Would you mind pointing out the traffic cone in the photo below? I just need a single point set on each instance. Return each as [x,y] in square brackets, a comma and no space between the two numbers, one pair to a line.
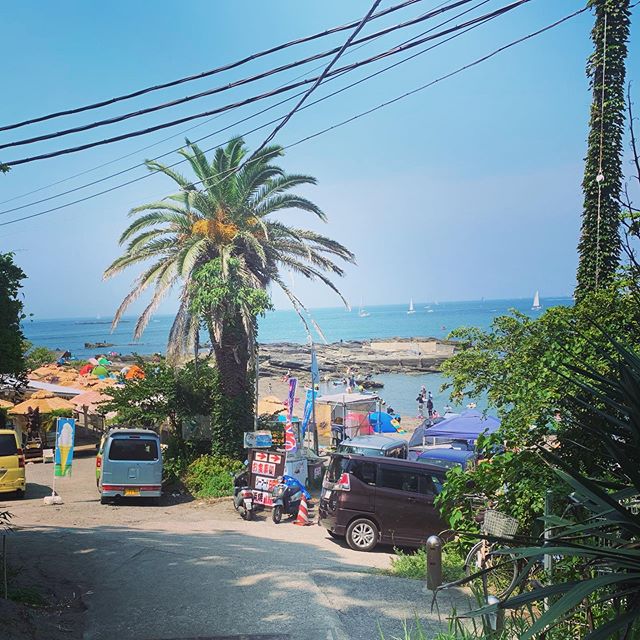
[303,515]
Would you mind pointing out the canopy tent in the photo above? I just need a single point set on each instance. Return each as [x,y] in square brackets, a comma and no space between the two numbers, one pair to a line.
[466,426]
[349,411]
[418,436]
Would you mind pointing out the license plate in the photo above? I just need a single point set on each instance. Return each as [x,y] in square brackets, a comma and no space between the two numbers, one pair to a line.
[247,504]
[132,492]
[327,494]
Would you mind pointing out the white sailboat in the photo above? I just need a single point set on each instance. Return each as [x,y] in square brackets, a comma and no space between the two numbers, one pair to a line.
[536,302]
[362,312]
[411,309]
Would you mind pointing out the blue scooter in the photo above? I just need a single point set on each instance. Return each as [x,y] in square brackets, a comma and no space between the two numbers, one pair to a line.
[286,501]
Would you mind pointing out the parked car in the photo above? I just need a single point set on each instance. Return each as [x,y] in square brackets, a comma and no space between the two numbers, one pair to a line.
[377,499]
[447,458]
[12,466]
[129,464]
[374,446]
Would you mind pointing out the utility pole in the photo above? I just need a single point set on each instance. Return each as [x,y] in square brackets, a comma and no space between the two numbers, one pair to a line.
[599,246]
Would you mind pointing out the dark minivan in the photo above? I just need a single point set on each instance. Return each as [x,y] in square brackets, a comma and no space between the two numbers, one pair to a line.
[371,500]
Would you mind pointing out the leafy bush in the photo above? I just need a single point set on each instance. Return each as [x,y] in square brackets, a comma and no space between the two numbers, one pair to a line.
[211,476]
[413,565]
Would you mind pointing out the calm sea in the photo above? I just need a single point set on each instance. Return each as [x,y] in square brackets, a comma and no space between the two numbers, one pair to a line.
[430,319]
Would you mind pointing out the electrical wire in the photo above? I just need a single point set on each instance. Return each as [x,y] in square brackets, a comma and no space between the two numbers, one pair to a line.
[231,85]
[390,52]
[204,74]
[289,99]
[363,113]
[317,83]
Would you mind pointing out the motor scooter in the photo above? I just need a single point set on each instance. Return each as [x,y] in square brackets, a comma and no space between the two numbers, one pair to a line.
[286,501]
[242,495]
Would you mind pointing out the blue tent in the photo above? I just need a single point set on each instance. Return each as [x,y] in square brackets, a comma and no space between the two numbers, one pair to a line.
[422,431]
[381,422]
[467,426]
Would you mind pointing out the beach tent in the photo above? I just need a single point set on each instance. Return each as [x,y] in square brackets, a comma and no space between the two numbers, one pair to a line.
[466,426]
[86,370]
[103,361]
[100,371]
[381,422]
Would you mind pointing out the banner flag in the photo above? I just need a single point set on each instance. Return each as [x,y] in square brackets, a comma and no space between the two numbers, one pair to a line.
[65,435]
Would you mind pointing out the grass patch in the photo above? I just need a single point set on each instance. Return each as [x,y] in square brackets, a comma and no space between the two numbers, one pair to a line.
[413,564]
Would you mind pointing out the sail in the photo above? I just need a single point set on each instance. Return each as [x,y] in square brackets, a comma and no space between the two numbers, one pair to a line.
[411,309]
[536,301]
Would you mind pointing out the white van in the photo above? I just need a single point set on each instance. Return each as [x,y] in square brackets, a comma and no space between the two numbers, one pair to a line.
[130,465]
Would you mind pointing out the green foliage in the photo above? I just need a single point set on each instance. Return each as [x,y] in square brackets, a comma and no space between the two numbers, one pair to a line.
[48,420]
[414,564]
[599,246]
[35,357]
[4,168]
[11,315]
[212,476]
[517,363]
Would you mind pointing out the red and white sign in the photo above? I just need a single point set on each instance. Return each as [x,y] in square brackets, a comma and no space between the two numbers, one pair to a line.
[263,468]
[260,456]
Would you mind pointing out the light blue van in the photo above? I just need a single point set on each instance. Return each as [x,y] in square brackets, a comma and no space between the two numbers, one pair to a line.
[130,465]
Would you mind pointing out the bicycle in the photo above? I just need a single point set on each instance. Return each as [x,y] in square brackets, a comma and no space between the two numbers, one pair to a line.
[499,571]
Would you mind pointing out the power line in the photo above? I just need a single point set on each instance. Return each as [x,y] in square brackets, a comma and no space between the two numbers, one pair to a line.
[205,74]
[376,73]
[390,52]
[368,111]
[228,86]
[318,81]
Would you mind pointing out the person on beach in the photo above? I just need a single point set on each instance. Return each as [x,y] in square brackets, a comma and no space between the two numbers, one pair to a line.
[420,401]
[430,405]
[423,391]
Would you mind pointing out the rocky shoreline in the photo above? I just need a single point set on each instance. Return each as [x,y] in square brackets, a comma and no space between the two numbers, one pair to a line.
[370,357]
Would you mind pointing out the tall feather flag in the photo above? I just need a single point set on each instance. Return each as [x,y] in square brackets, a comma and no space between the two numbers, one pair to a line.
[290,443]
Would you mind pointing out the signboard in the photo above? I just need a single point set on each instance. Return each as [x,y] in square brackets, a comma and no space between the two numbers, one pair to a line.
[264,469]
[65,435]
[258,440]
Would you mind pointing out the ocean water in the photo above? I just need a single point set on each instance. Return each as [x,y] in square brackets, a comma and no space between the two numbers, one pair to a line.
[430,319]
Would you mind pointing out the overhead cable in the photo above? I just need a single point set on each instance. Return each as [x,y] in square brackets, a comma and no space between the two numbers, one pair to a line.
[268,94]
[230,85]
[258,113]
[205,74]
[368,111]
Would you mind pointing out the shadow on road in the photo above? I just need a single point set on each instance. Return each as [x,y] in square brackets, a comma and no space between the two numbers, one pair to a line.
[157,585]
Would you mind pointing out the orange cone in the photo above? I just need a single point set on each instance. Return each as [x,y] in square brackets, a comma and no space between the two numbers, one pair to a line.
[303,514]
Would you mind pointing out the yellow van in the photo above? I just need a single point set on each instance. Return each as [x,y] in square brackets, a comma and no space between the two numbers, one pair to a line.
[12,476]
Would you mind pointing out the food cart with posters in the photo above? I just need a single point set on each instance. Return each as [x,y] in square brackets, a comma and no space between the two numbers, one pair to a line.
[265,466]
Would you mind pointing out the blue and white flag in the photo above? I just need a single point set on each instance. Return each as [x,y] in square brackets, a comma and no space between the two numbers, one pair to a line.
[308,410]
[315,372]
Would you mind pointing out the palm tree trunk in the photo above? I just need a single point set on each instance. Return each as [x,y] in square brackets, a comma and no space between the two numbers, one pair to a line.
[232,413]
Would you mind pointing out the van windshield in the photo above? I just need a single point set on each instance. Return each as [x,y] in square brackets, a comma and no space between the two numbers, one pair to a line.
[361,451]
[143,450]
[8,446]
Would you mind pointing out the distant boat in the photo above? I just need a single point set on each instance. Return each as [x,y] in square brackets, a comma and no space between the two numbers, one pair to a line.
[411,309]
[536,302]
[362,312]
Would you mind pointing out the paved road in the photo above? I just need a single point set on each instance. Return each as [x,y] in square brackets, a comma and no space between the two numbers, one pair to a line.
[193,569]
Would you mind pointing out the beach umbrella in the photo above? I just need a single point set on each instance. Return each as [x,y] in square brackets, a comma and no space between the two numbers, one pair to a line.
[93,361]
[134,373]
[5,404]
[103,361]
[100,371]
[44,401]
[90,399]
[86,369]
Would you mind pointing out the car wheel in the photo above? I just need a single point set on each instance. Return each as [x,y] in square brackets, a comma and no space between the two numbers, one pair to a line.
[276,514]
[362,535]
[104,500]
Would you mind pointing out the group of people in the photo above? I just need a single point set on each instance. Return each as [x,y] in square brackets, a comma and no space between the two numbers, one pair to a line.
[425,397]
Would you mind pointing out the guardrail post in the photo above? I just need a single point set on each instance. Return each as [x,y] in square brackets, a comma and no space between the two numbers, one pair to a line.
[434,562]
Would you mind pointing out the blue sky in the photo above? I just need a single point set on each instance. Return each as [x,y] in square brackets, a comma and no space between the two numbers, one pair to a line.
[469,189]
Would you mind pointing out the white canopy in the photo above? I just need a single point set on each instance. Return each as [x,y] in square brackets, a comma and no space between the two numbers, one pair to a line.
[348,398]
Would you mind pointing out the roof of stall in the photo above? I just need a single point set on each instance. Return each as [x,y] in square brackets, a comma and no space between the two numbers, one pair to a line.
[348,398]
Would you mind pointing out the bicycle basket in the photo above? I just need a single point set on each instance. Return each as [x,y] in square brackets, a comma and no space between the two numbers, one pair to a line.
[499,524]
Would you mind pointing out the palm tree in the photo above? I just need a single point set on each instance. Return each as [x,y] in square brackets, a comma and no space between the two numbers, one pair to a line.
[224,219]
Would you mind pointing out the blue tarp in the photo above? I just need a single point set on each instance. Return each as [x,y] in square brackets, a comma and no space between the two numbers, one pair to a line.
[467,426]
[422,431]
[381,422]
